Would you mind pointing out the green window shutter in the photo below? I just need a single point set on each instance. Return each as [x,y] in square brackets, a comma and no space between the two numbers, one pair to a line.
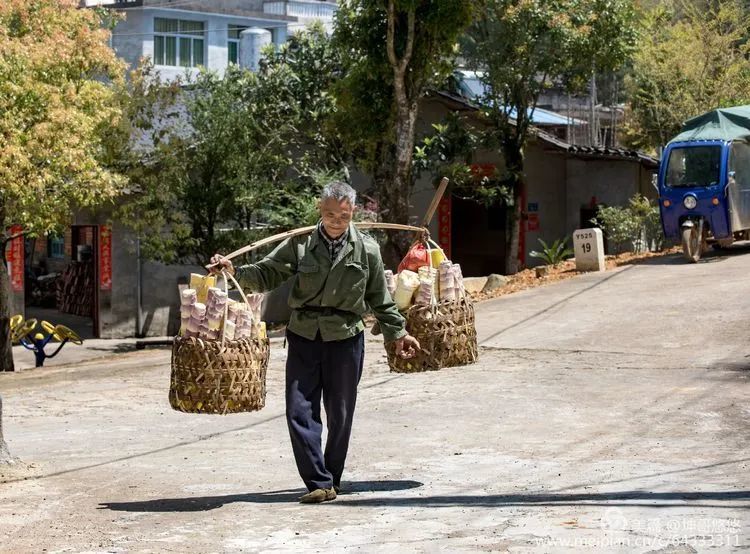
[232,51]
[170,57]
[198,52]
[159,50]
[185,58]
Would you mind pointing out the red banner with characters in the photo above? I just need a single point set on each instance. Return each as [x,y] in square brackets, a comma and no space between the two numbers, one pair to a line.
[14,255]
[105,257]
[444,225]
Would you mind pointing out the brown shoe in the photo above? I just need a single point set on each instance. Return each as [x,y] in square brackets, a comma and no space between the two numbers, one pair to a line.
[317,496]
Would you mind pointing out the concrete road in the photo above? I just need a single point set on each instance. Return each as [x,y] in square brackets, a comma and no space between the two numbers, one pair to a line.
[607,413]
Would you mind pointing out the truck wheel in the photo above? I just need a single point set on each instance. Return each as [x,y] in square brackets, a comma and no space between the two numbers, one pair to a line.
[691,244]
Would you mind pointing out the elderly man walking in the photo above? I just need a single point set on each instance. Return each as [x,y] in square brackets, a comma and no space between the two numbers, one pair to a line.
[338,275]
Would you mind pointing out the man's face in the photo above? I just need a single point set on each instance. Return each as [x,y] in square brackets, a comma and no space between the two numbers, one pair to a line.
[336,215]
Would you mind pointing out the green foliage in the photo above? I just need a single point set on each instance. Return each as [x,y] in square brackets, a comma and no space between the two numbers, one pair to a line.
[555,254]
[365,94]
[237,157]
[636,227]
[690,59]
[55,110]
[522,47]
[311,67]
[393,52]
[449,151]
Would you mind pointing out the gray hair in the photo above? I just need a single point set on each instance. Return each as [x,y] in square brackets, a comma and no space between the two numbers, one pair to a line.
[339,191]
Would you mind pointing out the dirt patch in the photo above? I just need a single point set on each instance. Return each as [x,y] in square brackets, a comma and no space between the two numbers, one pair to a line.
[527,278]
[16,470]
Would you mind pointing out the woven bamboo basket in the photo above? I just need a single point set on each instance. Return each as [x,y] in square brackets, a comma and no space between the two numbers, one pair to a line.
[447,333]
[219,376]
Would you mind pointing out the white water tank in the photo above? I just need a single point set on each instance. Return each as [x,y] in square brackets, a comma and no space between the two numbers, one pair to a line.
[252,42]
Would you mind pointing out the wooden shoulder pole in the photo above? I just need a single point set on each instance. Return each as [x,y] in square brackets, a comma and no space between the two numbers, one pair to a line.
[435,201]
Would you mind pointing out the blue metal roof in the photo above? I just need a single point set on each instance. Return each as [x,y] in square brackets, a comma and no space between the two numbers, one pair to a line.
[471,86]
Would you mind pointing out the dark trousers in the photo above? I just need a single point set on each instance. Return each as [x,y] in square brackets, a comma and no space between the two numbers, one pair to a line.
[330,370]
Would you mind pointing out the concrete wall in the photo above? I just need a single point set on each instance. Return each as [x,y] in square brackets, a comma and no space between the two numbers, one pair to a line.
[547,190]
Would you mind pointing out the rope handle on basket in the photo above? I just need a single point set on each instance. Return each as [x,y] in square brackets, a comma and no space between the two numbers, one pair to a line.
[427,241]
[226,274]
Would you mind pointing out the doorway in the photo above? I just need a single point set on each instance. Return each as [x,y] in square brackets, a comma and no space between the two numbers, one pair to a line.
[61,280]
[478,237]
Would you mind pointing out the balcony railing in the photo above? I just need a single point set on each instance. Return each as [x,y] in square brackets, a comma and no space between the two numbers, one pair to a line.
[112,3]
[305,9]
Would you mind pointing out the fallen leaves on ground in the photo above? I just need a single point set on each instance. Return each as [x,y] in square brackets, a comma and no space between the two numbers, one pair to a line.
[527,278]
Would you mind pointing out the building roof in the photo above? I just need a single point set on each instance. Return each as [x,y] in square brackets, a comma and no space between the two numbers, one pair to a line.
[470,86]
[599,152]
[586,152]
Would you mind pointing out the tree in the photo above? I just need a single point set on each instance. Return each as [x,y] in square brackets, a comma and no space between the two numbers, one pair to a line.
[393,52]
[233,152]
[522,47]
[55,107]
[690,59]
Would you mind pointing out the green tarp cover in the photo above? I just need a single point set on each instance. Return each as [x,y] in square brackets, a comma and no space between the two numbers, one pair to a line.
[721,124]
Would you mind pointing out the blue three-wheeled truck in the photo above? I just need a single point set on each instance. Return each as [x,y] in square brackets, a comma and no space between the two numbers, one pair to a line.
[704,182]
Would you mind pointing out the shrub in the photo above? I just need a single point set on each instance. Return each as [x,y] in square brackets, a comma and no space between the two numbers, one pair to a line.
[636,227]
[553,255]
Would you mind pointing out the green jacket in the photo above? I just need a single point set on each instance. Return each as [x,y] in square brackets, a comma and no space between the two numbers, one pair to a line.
[326,297]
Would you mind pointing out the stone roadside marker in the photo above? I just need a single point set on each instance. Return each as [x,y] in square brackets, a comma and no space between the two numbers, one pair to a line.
[588,246]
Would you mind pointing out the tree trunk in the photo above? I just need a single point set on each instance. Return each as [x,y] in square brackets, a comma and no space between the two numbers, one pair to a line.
[5,457]
[397,188]
[515,220]
[6,350]
[513,154]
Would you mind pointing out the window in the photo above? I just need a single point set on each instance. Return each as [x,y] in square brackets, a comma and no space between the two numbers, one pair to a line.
[178,42]
[233,43]
[55,246]
[694,166]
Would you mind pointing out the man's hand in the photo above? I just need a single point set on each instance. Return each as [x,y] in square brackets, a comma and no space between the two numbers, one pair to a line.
[407,347]
[219,263]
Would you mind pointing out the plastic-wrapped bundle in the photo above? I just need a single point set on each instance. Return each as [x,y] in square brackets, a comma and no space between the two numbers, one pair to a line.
[447,282]
[437,256]
[215,304]
[407,283]
[233,310]
[197,316]
[390,282]
[188,298]
[424,292]
[229,328]
[244,325]
[458,277]
[207,333]
[431,274]
[254,304]
[201,284]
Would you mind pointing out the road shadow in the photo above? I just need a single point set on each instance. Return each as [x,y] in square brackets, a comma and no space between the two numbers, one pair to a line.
[624,498]
[708,257]
[119,348]
[207,503]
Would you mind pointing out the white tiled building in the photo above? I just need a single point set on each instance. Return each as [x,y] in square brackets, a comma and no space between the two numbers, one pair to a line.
[180,35]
